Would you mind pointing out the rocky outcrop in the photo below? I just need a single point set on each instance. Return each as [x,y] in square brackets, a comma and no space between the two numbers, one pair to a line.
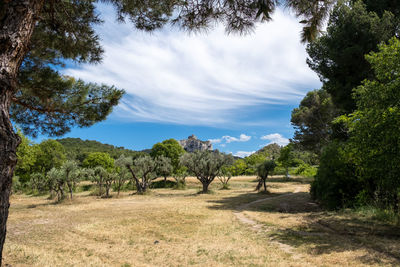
[193,144]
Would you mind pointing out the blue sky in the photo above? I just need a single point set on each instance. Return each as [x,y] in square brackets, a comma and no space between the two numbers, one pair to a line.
[237,91]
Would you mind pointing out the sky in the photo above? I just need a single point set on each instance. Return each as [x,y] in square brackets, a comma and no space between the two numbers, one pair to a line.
[236,91]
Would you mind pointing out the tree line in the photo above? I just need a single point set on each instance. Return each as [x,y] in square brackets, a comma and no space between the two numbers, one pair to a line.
[47,167]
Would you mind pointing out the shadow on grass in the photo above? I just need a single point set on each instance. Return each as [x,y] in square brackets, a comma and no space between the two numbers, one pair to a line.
[321,232]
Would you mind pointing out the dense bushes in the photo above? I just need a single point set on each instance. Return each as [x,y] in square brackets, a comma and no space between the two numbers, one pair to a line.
[335,184]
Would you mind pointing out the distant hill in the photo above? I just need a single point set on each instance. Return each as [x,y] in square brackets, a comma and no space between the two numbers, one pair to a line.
[273,150]
[78,149]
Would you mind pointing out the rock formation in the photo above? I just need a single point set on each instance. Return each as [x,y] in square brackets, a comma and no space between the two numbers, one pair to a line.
[193,144]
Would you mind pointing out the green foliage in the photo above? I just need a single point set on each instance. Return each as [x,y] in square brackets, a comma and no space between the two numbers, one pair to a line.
[50,154]
[144,172]
[122,174]
[98,175]
[272,151]
[96,159]
[375,127]
[305,170]
[336,184]
[180,177]
[48,102]
[338,56]
[287,158]
[164,166]
[312,120]
[56,182]
[72,175]
[253,161]
[168,148]
[77,149]
[27,156]
[205,165]
[162,184]
[224,176]
[16,184]
[38,182]
[239,167]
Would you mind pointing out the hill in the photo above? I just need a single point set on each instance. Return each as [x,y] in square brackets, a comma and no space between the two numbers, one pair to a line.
[78,149]
[272,150]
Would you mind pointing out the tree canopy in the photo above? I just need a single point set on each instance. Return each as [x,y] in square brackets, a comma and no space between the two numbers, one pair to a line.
[168,148]
[312,120]
[338,55]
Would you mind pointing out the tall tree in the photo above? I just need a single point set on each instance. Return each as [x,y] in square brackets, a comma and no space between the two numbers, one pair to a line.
[312,120]
[338,55]
[38,36]
[286,158]
[168,148]
[50,154]
[96,159]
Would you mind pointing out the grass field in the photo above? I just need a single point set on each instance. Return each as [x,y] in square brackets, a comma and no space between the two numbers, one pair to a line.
[180,227]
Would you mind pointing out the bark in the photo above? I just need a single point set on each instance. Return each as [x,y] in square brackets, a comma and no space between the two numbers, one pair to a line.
[17,21]
[205,187]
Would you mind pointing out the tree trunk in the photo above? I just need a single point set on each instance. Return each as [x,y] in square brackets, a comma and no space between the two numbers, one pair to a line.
[70,192]
[17,21]
[205,187]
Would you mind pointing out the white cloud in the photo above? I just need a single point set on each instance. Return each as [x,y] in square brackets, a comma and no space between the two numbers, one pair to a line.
[275,138]
[215,141]
[243,154]
[230,139]
[171,76]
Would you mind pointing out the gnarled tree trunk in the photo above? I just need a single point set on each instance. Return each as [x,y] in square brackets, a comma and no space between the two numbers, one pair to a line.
[17,21]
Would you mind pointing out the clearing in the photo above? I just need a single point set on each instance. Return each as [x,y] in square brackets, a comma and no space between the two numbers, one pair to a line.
[180,227]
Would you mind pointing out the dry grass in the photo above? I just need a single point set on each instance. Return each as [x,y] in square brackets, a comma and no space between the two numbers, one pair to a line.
[180,228]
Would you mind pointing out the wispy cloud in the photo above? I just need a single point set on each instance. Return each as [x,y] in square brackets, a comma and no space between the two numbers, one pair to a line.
[243,154]
[275,138]
[171,76]
[230,139]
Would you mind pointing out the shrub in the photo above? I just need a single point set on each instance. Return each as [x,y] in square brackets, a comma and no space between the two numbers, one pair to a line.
[335,184]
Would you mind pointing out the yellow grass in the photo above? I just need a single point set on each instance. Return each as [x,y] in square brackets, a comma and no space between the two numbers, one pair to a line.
[180,228]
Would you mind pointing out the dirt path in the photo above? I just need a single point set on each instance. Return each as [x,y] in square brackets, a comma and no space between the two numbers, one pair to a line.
[255,226]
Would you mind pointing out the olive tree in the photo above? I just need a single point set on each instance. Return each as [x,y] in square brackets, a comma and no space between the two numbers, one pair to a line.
[56,182]
[205,165]
[143,171]
[263,170]
[224,176]
[164,167]
[98,176]
[180,177]
[108,180]
[38,182]
[122,174]
[72,175]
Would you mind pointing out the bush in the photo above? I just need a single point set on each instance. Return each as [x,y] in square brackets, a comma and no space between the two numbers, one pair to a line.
[335,184]
[16,185]
[161,184]
[305,170]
